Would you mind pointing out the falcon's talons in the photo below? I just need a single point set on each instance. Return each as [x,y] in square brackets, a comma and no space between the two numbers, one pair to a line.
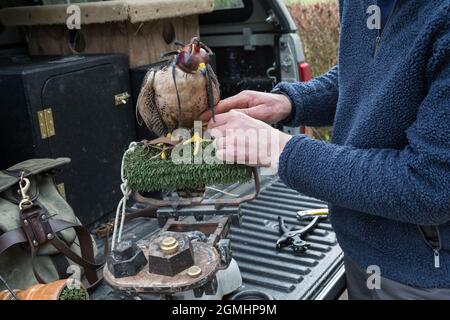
[197,141]
[163,143]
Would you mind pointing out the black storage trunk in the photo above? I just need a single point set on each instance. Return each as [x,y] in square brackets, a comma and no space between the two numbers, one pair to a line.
[66,107]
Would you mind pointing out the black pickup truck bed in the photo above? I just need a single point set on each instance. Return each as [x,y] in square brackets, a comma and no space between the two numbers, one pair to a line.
[317,273]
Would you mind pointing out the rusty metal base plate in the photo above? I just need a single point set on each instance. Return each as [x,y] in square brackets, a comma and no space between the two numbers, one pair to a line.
[205,257]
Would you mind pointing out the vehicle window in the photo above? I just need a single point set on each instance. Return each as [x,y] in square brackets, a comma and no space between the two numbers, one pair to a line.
[228,4]
[228,11]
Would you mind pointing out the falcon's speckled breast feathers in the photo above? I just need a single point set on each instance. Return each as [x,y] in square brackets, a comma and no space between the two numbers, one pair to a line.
[178,93]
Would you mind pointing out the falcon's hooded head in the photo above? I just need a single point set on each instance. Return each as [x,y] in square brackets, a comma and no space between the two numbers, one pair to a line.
[193,57]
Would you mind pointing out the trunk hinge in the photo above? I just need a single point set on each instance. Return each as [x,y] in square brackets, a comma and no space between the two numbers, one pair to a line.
[121,98]
[46,124]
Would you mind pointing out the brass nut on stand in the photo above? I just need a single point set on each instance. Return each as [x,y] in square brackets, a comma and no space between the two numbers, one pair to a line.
[169,245]
[170,253]
[194,271]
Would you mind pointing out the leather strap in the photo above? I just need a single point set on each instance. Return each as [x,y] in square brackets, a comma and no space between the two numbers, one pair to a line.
[86,260]
[33,265]
[209,92]
[61,264]
[10,238]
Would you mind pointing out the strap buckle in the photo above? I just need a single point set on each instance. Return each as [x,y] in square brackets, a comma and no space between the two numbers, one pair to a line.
[24,186]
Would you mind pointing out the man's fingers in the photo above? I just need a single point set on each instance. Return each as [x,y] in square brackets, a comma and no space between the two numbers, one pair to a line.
[230,155]
[220,154]
[259,112]
[219,143]
[226,155]
[216,133]
[244,111]
[254,112]
[222,119]
[239,101]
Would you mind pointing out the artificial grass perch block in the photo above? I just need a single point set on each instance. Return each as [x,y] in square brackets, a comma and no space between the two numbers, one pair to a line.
[147,172]
[73,294]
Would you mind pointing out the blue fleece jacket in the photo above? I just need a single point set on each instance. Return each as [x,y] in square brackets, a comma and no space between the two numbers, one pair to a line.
[386,7]
[387,169]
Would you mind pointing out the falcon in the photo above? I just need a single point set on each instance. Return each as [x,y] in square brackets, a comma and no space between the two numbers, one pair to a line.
[175,95]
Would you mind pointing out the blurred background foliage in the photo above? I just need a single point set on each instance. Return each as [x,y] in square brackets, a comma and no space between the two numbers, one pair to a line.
[318,24]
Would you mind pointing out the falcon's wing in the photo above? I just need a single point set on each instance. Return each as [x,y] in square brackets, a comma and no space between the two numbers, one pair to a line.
[146,109]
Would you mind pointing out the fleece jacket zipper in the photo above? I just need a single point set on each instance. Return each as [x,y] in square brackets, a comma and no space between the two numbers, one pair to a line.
[381,32]
[434,241]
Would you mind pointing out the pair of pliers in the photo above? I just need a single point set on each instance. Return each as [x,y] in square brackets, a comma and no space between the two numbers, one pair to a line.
[293,238]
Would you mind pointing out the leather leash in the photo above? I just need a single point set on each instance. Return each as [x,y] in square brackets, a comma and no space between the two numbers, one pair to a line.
[38,229]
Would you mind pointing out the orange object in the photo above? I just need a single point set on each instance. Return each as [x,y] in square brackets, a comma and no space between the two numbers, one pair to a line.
[50,291]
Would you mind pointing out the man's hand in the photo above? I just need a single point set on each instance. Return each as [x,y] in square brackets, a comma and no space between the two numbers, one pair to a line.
[267,107]
[242,139]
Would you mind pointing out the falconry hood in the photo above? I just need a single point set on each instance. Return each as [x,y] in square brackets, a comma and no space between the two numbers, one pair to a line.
[193,57]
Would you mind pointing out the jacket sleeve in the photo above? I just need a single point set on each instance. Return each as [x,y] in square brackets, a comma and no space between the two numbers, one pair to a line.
[314,102]
[410,185]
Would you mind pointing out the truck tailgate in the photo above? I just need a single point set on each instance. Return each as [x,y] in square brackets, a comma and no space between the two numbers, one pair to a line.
[317,273]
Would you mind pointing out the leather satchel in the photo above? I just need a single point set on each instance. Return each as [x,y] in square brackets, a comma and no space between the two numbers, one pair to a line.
[41,239]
